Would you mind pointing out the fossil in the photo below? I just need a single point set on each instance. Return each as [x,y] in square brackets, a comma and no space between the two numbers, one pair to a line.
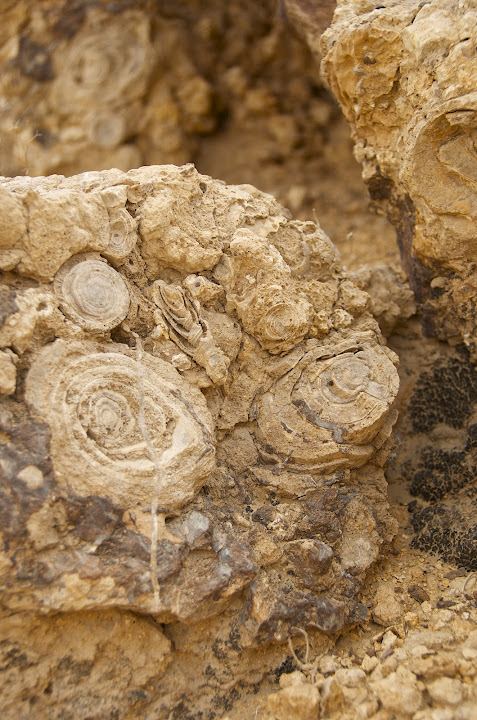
[214,364]
[326,413]
[190,330]
[93,295]
[92,400]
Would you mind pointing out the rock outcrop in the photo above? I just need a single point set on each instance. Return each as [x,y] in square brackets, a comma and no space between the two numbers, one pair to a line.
[197,405]
[404,74]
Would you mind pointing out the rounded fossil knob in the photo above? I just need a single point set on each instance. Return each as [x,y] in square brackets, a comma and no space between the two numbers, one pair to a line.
[329,412]
[122,428]
[93,295]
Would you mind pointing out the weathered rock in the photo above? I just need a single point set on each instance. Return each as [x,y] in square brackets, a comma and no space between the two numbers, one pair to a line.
[399,693]
[404,74]
[209,321]
[300,701]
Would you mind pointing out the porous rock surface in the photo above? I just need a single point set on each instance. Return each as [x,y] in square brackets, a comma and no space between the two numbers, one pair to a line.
[404,74]
[196,409]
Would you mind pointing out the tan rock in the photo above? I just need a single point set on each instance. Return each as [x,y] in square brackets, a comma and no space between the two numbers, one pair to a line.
[300,701]
[398,692]
[446,690]
[406,83]
[387,610]
[332,697]
[8,373]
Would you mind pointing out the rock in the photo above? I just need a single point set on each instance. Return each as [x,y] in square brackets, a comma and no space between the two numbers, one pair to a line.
[8,373]
[398,692]
[442,714]
[183,398]
[392,301]
[446,690]
[328,665]
[418,593]
[294,678]
[300,701]
[332,697]
[369,663]
[416,154]
[387,610]
[350,677]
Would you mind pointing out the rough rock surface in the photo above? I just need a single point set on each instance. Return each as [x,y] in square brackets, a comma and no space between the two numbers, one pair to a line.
[202,409]
[215,77]
[422,667]
[404,74]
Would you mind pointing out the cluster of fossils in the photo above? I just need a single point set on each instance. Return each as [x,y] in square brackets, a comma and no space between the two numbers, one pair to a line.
[197,400]
[196,397]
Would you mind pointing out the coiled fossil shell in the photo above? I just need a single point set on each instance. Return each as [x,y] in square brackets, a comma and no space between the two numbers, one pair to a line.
[327,412]
[92,397]
[279,327]
[181,313]
[92,294]
[123,237]
[109,60]
[189,330]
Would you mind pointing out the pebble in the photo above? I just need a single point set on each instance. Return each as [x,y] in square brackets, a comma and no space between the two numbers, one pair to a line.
[442,714]
[332,698]
[350,678]
[293,678]
[445,690]
[389,640]
[387,610]
[471,641]
[300,701]
[328,665]
[369,663]
[399,693]
[418,593]
[367,709]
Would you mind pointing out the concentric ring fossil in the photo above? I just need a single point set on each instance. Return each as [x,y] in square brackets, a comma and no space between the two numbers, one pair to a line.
[123,237]
[282,325]
[91,397]
[93,295]
[327,411]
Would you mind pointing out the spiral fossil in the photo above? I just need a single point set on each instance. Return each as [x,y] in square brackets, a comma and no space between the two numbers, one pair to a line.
[327,412]
[189,330]
[123,234]
[91,398]
[282,326]
[93,295]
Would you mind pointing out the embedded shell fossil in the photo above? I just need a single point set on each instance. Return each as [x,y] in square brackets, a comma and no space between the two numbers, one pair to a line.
[189,329]
[93,396]
[326,412]
[92,294]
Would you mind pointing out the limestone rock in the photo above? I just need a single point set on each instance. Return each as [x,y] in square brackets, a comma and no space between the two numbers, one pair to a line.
[203,405]
[399,693]
[300,701]
[404,74]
